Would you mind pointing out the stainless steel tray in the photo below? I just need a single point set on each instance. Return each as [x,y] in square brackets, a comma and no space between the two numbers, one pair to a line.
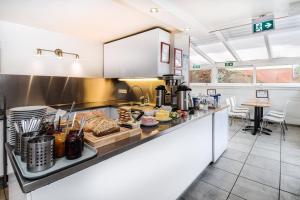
[60,164]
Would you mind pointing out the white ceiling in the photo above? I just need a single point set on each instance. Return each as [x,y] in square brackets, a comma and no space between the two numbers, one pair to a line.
[104,20]
[100,20]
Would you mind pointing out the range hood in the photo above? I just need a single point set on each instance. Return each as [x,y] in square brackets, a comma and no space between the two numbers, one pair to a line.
[137,56]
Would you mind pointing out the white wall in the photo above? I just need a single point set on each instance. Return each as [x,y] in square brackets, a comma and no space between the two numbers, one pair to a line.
[182,41]
[18,46]
[278,97]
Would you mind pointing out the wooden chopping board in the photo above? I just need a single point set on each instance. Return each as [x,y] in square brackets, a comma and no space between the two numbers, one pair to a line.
[108,139]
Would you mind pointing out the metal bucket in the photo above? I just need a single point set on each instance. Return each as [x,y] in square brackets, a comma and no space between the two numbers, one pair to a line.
[40,153]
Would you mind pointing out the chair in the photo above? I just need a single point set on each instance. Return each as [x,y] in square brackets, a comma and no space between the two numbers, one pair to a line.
[279,114]
[276,117]
[235,104]
[233,114]
[241,109]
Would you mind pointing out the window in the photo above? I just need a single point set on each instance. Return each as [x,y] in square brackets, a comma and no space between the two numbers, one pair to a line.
[278,74]
[235,75]
[200,76]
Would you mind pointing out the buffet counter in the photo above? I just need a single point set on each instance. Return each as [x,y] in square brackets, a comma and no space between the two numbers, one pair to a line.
[189,137]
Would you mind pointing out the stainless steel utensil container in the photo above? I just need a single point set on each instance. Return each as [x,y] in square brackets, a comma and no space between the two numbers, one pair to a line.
[18,143]
[24,141]
[40,153]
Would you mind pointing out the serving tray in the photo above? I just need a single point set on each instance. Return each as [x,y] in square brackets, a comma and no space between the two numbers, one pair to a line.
[60,164]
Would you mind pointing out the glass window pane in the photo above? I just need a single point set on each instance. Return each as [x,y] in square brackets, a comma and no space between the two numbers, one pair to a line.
[235,75]
[278,74]
[217,52]
[200,76]
[285,44]
[252,48]
[197,59]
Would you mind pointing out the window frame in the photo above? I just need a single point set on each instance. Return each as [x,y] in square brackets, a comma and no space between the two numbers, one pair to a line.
[214,80]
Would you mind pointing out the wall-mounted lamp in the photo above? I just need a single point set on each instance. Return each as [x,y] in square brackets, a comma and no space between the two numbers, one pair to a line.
[58,52]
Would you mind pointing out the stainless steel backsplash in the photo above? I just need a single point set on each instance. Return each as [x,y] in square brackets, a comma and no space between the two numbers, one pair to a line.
[23,90]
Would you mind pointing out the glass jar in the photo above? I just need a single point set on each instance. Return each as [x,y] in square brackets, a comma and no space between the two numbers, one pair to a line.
[73,145]
[60,138]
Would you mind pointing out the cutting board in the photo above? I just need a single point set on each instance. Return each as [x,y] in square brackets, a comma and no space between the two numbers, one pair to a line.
[112,138]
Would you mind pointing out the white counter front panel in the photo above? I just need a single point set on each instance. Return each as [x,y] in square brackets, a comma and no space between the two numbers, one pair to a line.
[160,169]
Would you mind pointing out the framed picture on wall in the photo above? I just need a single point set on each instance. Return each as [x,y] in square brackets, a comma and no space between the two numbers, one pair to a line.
[164,52]
[211,92]
[262,94]
[178,58]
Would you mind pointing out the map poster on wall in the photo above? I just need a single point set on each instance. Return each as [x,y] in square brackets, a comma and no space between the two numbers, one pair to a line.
[164,52]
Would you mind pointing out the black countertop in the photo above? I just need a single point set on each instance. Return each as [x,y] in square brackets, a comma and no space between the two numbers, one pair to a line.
[107,151]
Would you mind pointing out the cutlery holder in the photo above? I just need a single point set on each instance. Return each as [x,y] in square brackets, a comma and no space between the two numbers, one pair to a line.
[40,153]
[24,141]
[18,143]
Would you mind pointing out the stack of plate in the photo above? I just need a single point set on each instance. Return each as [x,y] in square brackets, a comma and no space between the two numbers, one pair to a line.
[23,113]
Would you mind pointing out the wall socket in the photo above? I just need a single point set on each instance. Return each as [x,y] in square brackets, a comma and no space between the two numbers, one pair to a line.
[122,91]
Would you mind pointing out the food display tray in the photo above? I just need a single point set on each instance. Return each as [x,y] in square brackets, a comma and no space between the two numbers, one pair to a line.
[60,164]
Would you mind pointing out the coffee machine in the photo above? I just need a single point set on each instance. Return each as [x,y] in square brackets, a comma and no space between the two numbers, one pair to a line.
[172,82]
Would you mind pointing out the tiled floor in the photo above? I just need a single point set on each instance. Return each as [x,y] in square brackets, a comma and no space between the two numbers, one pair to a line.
[3,194]
[253,167]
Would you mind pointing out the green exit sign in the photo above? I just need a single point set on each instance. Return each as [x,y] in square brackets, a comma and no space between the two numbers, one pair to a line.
[264,23]
[263,26]
[228,64]
[196,66]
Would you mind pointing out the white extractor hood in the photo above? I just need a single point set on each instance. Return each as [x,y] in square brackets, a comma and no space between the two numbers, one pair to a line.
[136,56]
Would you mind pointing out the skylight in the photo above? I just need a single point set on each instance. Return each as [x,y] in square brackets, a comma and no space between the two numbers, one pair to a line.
[285,44]
[217,52]
[195,58]
[251,48]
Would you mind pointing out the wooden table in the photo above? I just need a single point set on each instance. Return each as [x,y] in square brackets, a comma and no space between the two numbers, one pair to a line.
[258,105]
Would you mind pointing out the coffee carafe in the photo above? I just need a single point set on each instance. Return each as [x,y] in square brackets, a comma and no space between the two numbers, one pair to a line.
[160,95]
[184,99]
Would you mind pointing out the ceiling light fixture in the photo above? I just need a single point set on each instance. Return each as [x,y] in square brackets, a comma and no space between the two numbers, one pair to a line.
[154,10]
[58,52]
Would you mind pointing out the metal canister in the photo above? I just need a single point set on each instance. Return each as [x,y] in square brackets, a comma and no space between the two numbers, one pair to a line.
[183,97]
[40,153]
[24,141]
[160,95]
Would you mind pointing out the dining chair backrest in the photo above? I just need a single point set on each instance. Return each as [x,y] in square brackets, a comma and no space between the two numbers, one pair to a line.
[232,102]
[229,104]
[285,108]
